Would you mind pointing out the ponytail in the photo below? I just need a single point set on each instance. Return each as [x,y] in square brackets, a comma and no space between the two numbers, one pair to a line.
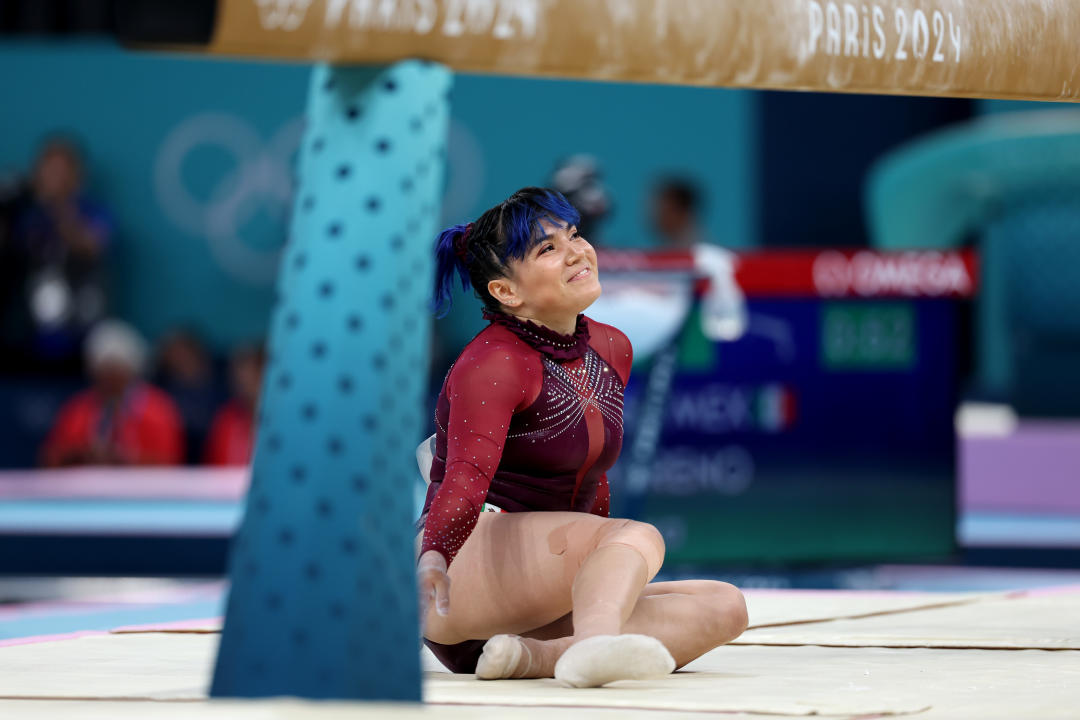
[450,256]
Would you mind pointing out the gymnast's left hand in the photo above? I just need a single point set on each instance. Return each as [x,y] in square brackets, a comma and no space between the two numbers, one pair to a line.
[433,583]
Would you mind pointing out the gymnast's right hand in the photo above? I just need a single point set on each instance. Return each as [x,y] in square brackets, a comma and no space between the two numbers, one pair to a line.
[433,583]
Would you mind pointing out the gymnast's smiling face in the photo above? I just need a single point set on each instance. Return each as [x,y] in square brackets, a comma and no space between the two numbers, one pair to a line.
[556,280]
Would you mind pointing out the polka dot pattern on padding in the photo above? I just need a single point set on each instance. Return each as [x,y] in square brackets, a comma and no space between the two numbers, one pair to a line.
[323,597]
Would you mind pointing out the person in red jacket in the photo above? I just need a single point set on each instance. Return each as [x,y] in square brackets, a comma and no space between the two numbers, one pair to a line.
[232,432]
[529,420]
[120,419]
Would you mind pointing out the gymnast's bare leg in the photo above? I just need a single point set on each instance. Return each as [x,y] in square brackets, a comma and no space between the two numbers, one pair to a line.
[553,579]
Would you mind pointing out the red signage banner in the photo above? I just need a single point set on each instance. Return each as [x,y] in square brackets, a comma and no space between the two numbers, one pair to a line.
[826,272]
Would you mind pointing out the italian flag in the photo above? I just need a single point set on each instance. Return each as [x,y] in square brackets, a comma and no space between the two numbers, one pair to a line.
[774,408]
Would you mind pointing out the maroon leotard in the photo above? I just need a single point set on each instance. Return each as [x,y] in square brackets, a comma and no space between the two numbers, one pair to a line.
[527,419]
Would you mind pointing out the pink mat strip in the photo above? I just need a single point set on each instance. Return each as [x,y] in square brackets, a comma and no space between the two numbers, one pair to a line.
[50,638]
[223,484]
[835,593]
[1059,590]
[115,601]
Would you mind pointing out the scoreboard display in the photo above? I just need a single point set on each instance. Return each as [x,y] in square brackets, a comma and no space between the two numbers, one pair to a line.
[824,433]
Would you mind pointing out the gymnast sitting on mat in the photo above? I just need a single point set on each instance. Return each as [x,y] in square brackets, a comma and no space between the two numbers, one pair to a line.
[529,420]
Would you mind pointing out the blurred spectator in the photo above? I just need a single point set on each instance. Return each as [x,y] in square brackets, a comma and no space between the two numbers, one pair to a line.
[120,420]
[232,434]
[185,371]
[579,179]
[676,207]
[676,217]
[58,242]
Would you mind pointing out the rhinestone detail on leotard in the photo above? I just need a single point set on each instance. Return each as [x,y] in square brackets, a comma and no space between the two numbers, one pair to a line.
[571,392]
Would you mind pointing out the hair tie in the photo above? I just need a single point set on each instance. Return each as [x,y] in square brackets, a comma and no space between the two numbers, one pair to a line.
[461,245]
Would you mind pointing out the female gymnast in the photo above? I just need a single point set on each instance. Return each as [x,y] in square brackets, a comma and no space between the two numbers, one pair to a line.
[529,420]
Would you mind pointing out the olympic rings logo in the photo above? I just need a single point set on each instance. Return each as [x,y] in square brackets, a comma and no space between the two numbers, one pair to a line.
[282,14]
[260,180]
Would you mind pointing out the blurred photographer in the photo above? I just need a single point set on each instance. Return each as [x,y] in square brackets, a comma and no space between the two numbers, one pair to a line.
[57,241]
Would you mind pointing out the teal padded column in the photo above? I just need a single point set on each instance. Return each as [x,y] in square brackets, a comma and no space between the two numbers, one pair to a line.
[323,594]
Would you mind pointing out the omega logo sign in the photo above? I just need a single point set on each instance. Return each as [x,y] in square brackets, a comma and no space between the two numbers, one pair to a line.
[931,274]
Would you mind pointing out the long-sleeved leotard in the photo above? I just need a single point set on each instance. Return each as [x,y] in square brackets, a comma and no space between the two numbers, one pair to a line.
[527,419]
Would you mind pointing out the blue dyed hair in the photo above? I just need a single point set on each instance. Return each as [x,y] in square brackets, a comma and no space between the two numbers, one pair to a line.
[507,231]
